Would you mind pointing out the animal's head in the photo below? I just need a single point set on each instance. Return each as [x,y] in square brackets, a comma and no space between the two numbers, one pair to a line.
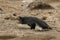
[21,20]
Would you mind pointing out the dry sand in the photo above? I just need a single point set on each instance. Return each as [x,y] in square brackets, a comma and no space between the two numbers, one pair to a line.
[10,29]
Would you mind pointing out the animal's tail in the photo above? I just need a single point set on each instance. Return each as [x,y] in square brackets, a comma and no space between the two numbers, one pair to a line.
[42,24]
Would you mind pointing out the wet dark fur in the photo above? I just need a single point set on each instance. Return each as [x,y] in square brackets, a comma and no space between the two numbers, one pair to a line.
[32,21]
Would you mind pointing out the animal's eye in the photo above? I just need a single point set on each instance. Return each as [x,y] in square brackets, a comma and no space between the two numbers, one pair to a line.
[14,14]
[20,17]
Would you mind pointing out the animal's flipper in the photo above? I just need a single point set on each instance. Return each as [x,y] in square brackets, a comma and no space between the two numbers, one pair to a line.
[42,24]
[32,25]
